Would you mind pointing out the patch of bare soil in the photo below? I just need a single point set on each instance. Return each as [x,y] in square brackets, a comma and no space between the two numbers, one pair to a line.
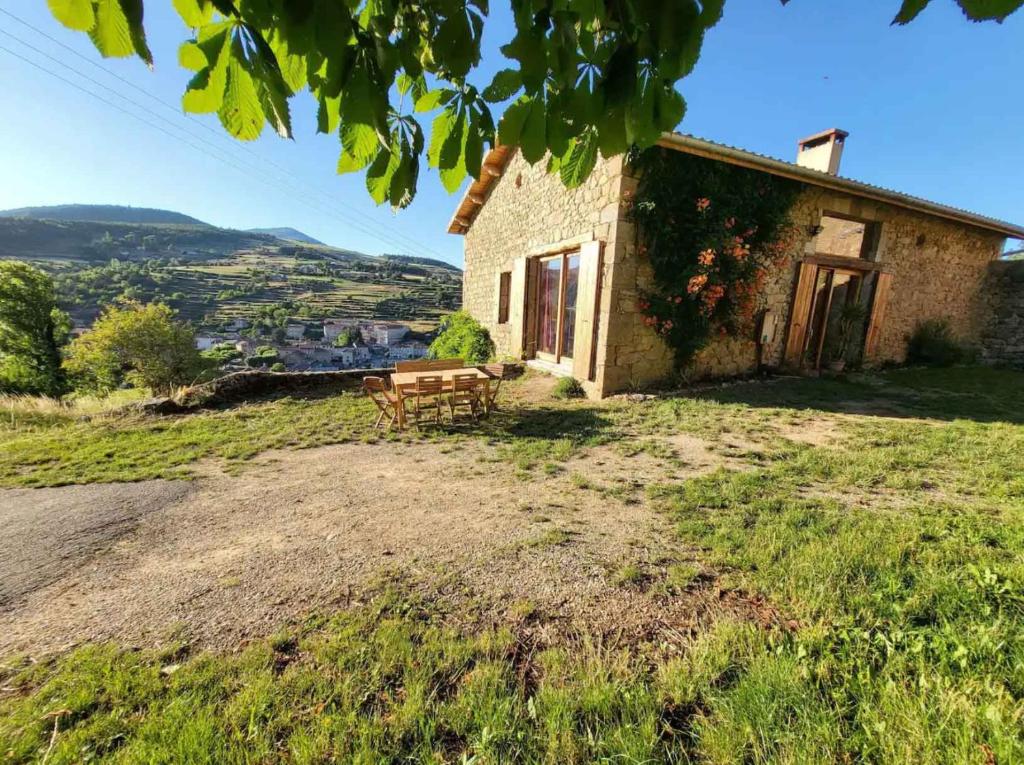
[229,558]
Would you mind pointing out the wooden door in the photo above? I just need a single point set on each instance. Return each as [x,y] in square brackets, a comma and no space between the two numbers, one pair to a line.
[800,315]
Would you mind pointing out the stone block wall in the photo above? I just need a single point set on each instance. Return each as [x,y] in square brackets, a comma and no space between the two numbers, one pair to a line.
[1002,340]
[529,212]
[938,269]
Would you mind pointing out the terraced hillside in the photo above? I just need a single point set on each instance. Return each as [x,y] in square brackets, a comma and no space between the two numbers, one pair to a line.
[212,276]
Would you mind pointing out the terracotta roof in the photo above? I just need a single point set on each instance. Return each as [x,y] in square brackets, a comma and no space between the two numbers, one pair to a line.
[496,159]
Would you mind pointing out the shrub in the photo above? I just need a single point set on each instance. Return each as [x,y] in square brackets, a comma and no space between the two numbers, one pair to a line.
[932,343]
[139,344]
[32,331]
[568,387]
[462,337]
[277,366]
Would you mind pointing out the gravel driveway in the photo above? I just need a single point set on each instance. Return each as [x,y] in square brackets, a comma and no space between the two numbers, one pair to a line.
[223,558]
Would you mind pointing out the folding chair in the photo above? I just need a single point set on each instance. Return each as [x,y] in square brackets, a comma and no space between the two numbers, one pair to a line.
[427,394]
[467,391]
[497,373]
[386,401]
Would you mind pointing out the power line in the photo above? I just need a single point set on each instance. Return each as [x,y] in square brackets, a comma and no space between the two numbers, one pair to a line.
[262,179]
[394,238]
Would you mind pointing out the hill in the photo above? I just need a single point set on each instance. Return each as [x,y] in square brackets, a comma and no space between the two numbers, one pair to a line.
[102,214]
[289,234]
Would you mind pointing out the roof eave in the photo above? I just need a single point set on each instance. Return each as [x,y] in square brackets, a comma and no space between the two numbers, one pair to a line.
[778,167]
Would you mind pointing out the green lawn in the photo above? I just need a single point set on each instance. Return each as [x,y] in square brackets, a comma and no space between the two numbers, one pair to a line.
[893,556]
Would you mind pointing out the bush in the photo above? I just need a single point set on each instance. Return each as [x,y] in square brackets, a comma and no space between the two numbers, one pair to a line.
[462,337]
[932,343]
[568,387]
[139,344]
[277,367]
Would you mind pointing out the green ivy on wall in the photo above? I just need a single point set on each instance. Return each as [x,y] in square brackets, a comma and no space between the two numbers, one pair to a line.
[711,232]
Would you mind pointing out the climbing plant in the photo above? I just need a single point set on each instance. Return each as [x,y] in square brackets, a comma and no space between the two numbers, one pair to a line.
[711,232]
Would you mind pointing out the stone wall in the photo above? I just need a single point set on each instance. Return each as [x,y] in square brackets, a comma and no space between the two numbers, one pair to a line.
[938,270]
[529,212]
[1002,340]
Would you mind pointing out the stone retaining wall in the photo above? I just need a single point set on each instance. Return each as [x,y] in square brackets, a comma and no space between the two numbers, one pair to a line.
[241,386]
[1002,341]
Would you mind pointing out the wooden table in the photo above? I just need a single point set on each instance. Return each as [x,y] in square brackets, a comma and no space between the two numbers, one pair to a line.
[405,382]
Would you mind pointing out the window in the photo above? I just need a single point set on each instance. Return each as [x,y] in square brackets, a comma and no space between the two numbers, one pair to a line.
[847,237]
[504,290]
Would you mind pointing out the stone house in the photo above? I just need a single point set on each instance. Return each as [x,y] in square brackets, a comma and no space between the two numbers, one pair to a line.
[555,274]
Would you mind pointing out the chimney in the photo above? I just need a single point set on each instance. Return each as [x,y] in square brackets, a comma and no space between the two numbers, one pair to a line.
[822,151]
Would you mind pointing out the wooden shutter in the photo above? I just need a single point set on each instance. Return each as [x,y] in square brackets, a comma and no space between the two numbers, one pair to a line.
[800,315]
[588,295]
[504,287]
[875,324]
[517,308]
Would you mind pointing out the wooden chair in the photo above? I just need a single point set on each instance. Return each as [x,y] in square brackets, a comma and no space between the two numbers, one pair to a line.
[385,400]
[497,373]
[426,395]
[467,391]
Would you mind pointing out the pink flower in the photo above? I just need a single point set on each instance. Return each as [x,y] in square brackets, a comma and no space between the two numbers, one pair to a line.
[730,222]
[703,204]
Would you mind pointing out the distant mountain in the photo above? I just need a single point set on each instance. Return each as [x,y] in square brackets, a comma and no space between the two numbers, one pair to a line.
[102,214]
[291,234]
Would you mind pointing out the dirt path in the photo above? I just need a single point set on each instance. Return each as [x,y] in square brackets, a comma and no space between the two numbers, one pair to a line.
[226,558]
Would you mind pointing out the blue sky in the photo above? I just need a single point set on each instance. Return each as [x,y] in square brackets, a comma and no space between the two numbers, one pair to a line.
[933,109]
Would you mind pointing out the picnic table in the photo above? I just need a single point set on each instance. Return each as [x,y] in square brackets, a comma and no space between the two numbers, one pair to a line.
[404,382]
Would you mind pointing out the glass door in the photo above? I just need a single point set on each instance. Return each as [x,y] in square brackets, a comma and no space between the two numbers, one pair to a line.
[557,284]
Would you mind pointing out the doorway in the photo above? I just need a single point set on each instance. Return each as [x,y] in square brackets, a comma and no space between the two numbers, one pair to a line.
[557,287]
[839,312]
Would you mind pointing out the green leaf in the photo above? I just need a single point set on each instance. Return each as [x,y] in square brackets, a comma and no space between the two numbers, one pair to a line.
[133,12]
[191,57]
[580,161]
[510,127]
[909,11]
[533,141]
[988,10]
[240,112]
[611,133]
[503,86]
[454,147]
[74,14]
[205,92]
[328,114]
[432,99]
[474,151]
[195,13]
[670,108]
[360,143]
[291,64]
[112,34]
[455,49]
[382,170]
[439,132]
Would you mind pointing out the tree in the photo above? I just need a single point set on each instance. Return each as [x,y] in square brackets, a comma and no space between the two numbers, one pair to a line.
[32,331]
[462,337]
[348,336]
[140,344]
[586,77]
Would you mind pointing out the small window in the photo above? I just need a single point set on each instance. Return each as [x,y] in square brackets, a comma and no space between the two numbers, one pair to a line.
[847,237]
[504,287]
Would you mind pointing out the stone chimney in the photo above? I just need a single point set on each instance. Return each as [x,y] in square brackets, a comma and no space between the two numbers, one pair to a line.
[822,151]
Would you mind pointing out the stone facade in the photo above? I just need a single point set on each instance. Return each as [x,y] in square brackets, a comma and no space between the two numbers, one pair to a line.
[938,270]
[1002,341]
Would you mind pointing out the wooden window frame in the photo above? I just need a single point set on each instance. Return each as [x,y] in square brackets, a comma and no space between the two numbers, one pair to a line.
[563,281]
[504,296]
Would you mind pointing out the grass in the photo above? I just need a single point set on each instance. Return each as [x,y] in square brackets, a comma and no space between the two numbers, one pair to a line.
[892,559]
[51,447]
